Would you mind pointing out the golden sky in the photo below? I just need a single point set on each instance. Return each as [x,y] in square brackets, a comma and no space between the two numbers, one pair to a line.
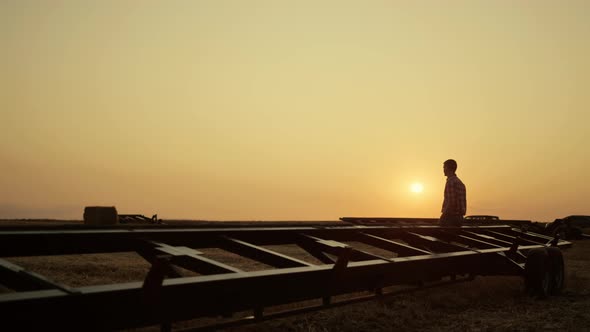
[293,110]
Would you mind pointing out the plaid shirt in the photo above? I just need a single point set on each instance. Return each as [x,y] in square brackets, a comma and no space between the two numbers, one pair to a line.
[455,202]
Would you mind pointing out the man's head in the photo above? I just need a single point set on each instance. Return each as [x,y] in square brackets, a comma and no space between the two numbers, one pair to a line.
[450,167]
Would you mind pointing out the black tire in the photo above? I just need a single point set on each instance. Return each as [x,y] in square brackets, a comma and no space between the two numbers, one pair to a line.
[556,270]
[536,273]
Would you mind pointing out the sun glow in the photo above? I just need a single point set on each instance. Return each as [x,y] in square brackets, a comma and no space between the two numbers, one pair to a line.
[416,188]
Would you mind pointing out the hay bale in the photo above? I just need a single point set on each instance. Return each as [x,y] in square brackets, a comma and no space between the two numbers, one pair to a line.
[100,215]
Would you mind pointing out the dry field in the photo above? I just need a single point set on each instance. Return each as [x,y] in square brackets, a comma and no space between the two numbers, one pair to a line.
[485,304]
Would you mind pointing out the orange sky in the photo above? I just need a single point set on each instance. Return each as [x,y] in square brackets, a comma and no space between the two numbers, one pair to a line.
[293,110]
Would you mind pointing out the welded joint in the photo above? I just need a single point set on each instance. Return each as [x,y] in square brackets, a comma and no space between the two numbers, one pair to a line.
[310,245]
[337,270]
[152,284]
[149,251]
[554,241]
[343,259]
[514,247]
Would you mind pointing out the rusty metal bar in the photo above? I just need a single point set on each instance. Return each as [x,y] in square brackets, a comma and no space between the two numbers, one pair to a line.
[19,279]
[394,246]
[260,254]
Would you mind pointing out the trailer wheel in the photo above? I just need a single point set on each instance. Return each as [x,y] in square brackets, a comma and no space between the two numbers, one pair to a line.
[536,273]
[556,270]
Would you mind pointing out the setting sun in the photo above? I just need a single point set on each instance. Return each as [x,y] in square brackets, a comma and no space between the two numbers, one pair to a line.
[351,113]
[417,188]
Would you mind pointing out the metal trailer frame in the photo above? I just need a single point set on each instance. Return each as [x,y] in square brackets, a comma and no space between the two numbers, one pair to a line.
[525,224]
[420,256]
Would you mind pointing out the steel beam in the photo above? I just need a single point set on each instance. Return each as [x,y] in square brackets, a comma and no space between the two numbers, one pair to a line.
[260,254]
[400,248]
[428,253]
[125,305]
[20,279]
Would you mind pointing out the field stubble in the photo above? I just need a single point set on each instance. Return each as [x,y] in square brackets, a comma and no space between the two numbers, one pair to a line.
[485,304]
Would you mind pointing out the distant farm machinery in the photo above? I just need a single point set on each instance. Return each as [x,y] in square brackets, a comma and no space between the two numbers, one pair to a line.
[108,215]
[362,260]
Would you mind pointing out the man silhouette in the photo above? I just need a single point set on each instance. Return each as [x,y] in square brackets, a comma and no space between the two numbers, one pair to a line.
[455,197]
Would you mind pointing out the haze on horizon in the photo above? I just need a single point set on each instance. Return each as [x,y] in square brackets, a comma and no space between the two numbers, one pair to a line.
[293,110]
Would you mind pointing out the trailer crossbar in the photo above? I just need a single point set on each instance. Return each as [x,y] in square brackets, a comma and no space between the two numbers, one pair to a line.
[344,259]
